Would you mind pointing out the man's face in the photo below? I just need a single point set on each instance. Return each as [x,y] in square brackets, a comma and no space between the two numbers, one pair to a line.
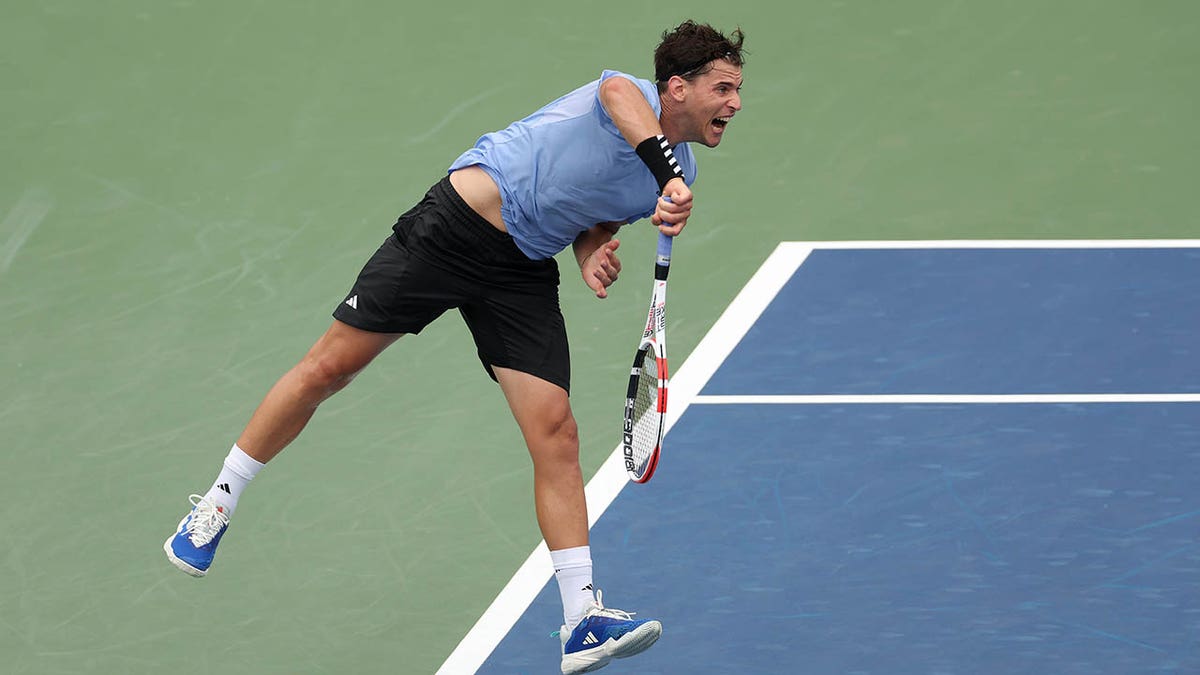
[712,100]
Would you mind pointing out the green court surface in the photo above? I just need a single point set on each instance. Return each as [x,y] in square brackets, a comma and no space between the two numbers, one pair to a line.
[189,188]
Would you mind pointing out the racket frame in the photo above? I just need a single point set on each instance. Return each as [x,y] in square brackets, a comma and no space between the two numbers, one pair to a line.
[654,337]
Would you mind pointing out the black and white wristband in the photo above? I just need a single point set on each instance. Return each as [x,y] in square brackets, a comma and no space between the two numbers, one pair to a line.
[656,153]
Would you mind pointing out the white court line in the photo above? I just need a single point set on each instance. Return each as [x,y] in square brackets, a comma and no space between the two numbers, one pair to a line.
[936,399]
[686,385]
[1010,244]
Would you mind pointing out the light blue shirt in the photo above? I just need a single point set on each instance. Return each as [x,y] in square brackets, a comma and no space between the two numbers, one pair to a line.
[566,168]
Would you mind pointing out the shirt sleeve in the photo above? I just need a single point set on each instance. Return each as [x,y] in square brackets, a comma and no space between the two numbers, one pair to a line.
[647,88]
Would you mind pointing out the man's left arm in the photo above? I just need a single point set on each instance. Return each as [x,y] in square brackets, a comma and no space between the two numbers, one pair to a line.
[595,251]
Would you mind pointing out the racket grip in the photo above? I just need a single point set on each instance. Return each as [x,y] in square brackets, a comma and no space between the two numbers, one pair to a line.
[664,245]
[664,248]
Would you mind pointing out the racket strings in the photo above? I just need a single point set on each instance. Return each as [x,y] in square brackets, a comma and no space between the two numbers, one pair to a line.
[646,416]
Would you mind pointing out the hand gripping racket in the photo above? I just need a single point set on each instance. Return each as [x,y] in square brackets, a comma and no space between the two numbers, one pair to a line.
[646,397]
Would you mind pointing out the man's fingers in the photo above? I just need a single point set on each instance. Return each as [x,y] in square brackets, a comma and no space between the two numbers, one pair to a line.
[673,208]
[608,260]
[606,274]
[665,206]
[676,204]
[678,191]
[679,195]
[601,285]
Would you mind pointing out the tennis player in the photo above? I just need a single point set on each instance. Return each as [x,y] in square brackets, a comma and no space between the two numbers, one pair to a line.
[482,241]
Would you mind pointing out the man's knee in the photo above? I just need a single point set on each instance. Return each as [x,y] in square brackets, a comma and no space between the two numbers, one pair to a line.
[563,429]
[558,446]
[324,373]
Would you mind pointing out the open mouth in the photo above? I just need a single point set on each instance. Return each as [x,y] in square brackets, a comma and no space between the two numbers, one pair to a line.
[721,122]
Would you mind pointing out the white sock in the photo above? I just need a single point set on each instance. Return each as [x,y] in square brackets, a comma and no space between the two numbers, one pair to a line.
[573,569]
[236,473]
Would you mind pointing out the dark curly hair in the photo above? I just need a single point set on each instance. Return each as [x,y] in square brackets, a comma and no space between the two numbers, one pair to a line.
[690,47]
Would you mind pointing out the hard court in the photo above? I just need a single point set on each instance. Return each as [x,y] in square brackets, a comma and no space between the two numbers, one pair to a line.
[932,324]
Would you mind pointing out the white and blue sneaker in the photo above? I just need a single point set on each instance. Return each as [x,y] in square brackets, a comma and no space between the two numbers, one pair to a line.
[605,634]
[194,544]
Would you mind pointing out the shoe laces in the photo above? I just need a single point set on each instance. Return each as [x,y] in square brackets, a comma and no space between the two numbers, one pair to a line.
[598,608]
[206,521]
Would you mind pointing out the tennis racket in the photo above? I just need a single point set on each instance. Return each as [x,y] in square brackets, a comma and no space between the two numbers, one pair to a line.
[646,397]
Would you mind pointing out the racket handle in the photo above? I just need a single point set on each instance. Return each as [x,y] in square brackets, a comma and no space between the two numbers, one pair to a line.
[664,245]
[664,248]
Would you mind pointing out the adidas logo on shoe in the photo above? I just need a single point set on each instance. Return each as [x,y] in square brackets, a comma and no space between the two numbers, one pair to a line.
[590,639]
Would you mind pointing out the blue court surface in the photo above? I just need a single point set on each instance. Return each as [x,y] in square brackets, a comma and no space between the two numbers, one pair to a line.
[926,460]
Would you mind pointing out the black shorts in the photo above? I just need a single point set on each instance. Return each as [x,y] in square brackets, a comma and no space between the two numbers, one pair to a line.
[444,255]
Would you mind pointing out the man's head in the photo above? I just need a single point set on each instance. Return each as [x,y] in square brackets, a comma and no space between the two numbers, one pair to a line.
[690,49]
[699,74]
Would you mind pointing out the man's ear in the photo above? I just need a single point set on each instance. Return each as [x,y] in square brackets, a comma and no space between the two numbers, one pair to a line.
[677,88]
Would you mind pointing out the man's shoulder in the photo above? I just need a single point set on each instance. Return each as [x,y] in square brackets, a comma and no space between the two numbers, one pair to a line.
[643,84]
[649,89]
[609,72]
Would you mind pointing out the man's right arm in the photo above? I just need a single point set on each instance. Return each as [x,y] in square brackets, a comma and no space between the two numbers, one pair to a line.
[635,119]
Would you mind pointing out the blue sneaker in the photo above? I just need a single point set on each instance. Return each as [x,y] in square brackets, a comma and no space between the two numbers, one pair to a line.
[605,634]
[193,545]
